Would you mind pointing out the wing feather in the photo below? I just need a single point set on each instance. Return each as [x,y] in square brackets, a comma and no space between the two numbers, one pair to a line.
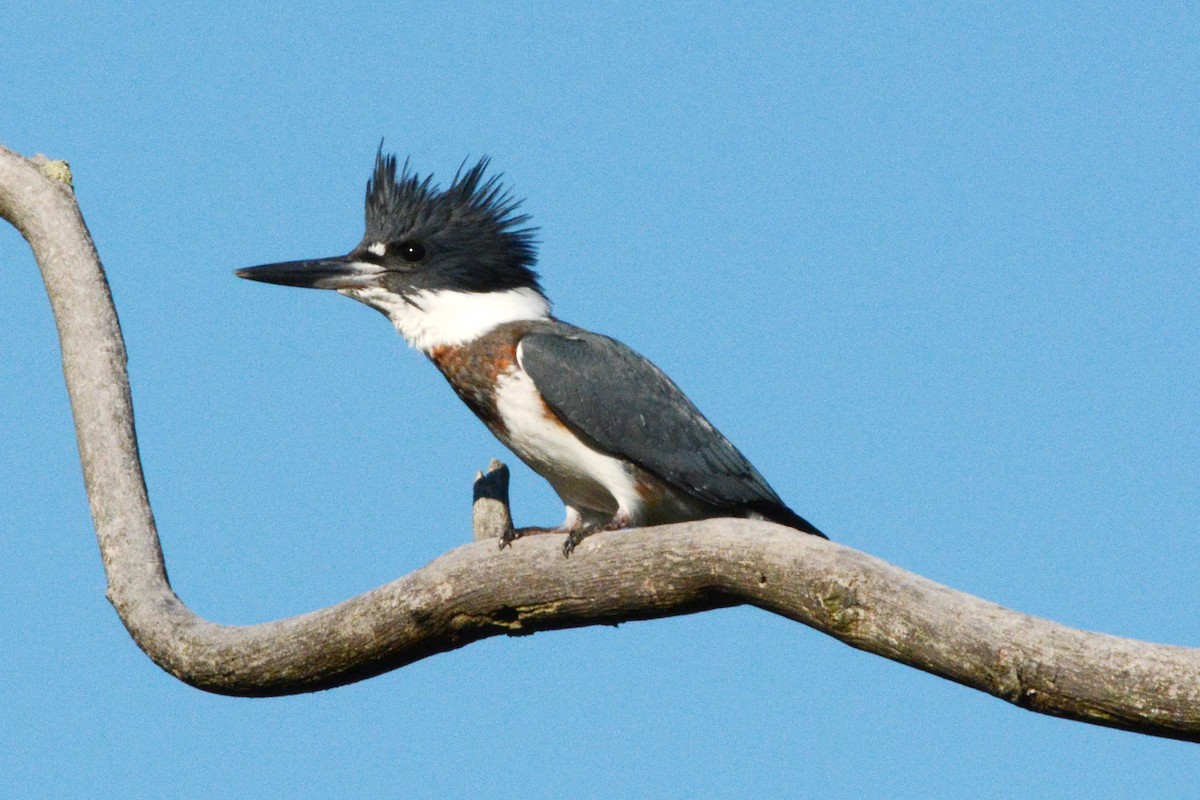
[622,404]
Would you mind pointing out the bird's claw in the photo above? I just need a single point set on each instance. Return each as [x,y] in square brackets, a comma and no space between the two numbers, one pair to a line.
[574,537]
[577,535]
[510,536]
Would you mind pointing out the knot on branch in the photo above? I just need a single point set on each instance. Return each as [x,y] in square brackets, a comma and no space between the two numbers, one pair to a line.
[1019,676]
[57,171]
[842,607]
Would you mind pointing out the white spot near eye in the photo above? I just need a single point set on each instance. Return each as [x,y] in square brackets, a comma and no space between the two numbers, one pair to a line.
[378,248]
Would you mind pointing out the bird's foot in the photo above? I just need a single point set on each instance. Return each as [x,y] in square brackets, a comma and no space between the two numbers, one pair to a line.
[580,532]
[512,534]
[575,533]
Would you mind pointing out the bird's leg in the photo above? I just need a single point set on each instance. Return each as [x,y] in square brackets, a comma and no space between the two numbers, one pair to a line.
[573,521]
[573,526]
[512,534]
[577,534]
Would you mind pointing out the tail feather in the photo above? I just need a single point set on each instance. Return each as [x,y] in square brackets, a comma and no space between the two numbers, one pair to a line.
[778,512]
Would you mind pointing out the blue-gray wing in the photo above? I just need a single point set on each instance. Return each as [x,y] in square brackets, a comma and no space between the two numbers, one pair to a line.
[623,405]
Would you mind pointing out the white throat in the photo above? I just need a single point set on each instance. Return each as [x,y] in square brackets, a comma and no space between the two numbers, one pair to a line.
[440,318]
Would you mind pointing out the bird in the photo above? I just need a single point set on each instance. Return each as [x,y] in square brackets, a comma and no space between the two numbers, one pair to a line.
[454,271]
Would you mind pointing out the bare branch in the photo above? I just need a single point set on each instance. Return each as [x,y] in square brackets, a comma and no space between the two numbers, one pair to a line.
[478,590]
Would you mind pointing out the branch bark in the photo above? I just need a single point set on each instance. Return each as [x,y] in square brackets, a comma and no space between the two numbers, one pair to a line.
[477,591]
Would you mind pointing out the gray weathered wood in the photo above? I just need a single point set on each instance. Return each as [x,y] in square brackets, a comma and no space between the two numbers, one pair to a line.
[479,590]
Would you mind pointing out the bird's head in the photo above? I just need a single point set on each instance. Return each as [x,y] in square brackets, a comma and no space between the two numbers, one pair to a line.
[444,266]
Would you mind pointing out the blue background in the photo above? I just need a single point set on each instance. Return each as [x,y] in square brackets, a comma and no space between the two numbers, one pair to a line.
[933,269]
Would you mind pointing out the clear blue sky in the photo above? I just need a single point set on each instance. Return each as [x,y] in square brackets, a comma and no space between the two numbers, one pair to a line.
[935,271]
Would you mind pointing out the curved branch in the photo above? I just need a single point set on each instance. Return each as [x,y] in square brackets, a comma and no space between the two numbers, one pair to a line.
[477,591]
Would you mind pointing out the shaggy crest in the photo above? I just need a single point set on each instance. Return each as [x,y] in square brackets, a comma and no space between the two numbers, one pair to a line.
[474,221]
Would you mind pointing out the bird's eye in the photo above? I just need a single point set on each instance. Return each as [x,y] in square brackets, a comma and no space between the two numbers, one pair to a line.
[411,251]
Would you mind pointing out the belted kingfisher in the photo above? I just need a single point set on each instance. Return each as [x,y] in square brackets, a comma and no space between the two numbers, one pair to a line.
[615,437]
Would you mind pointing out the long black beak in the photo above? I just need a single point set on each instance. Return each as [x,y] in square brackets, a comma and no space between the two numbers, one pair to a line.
[340,272]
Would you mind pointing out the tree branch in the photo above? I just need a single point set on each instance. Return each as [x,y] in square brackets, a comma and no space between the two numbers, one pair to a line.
[478,590]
